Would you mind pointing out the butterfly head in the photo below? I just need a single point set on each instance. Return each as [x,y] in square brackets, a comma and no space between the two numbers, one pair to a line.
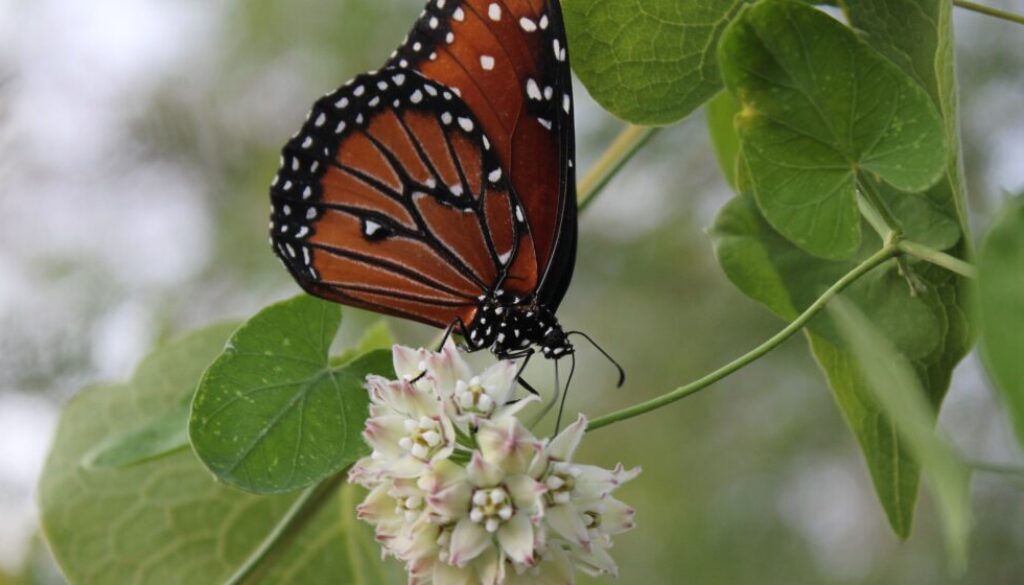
[555,344]
[510,326]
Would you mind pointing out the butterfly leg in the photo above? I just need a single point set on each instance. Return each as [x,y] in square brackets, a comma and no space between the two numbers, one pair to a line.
[449,331]
[527,353]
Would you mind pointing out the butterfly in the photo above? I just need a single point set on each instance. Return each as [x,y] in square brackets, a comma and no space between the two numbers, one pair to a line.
[441,188]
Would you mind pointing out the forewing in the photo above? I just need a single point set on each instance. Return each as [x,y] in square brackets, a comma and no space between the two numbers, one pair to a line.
[392,198]
[509,62]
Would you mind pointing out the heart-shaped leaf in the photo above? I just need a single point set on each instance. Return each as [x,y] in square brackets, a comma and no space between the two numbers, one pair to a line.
[165,519]
[272,414]
[820,110]
[648,62]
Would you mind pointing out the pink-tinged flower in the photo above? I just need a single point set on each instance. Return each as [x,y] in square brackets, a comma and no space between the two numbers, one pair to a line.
[464,494]
[407,429]
[579,507]
[489,396]
[503,510]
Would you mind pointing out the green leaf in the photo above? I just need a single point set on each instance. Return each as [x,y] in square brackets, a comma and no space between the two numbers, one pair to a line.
[649,62]
[894,386]
[819,108]
[165,435]
[917,35]
[1001,307]
[166,520]
[377,336]
[927,330]
[272,414]
[721,112]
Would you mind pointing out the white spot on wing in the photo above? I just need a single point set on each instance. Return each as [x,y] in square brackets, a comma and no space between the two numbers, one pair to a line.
[533,90]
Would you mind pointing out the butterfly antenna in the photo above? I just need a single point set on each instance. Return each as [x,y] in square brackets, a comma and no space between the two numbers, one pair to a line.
[622,372]
[565,395]
[550,403]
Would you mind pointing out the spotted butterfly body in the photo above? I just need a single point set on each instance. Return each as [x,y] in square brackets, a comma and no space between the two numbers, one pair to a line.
[441,188]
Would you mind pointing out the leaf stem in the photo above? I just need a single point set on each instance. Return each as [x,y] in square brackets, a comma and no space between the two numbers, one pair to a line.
[886,253]
[933,256]
[989,11]
[303,509]
[621,150]
[868,190]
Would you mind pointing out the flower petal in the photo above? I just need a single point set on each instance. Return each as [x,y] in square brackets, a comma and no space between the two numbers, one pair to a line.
[514,408]
[616,516]
[483,473]
[595,482]
[383,434]
[507,444]
[516,539]
[450,503]
[526,493]
[440,475]
[446,368]
[406,399]
[449,575]
[377,506]
[554,569]
[563,447]
[468,540]
[595,562]
[409,363]
[499,381]
[490,567]
[566,521]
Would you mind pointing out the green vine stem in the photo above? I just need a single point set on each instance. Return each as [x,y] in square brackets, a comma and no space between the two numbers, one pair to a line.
[989,11]
[938,258]
[887,253]
[875,211]
[303,509]
[621,150]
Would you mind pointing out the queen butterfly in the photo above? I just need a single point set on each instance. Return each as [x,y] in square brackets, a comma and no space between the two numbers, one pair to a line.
[441,188]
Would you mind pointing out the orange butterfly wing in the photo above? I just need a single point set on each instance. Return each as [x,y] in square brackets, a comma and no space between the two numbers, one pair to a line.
[509,61]
[420,190]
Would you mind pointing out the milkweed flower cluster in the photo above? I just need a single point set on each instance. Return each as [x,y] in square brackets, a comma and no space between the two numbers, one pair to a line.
[464,494]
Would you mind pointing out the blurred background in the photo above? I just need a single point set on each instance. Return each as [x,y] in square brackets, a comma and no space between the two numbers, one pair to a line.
[137,140]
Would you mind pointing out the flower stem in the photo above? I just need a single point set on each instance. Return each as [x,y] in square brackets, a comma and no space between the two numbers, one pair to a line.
[302,510]
[887,253]
[989,11]
[938,258]
[627,144]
